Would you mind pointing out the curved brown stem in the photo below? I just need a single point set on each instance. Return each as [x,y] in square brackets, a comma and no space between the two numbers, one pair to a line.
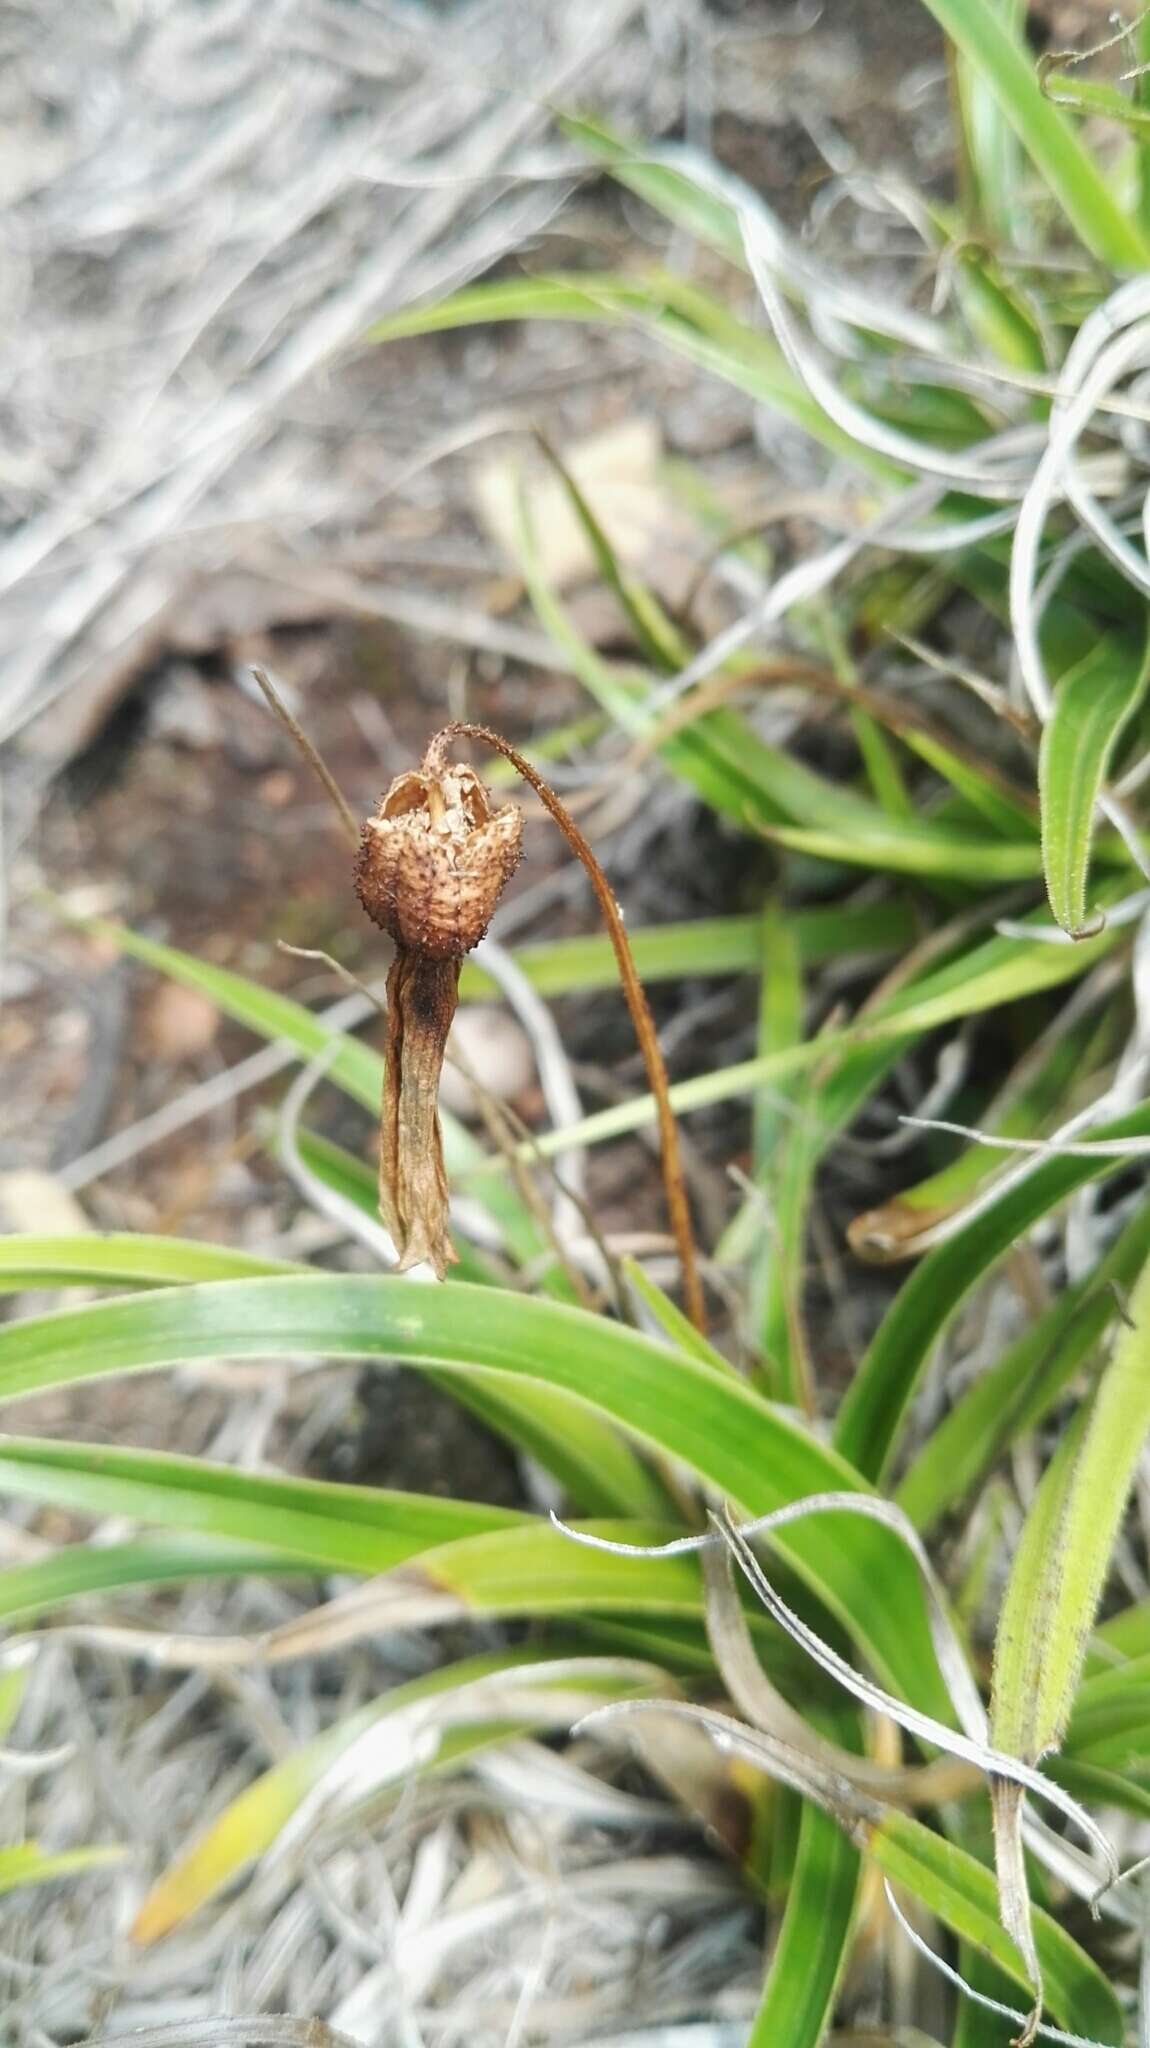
[674,1184]
[311,755]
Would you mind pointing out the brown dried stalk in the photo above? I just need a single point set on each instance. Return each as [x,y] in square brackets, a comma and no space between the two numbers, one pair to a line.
[673,1181]
[433,861]
[311,755]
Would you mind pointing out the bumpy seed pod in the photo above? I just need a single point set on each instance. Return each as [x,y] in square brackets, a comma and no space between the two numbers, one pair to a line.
[433,862]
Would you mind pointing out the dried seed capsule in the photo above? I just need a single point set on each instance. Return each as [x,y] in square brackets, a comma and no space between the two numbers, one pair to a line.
[434,860]
[432,864]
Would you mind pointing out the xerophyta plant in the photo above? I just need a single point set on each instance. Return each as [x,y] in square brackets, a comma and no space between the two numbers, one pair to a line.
[955,925]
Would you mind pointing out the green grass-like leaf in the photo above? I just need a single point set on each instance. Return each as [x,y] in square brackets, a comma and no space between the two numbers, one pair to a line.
[704,946]
[953,1884]
[25,1863]
[317,1523]
[978,30]
[1023,1385]
[1063,1556]
[814,1937]
[123,1259]
[877,1399]
[911,845]
[1093,704]
[733,1441]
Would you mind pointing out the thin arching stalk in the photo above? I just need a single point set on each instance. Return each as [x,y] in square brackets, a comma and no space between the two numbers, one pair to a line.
[673,1180]
[311,755]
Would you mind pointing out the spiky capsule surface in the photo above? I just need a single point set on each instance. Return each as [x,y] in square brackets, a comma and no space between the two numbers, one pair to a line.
[434,860]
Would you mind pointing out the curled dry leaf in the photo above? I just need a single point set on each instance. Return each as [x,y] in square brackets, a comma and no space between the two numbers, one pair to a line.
[433,863]
[897,1231]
